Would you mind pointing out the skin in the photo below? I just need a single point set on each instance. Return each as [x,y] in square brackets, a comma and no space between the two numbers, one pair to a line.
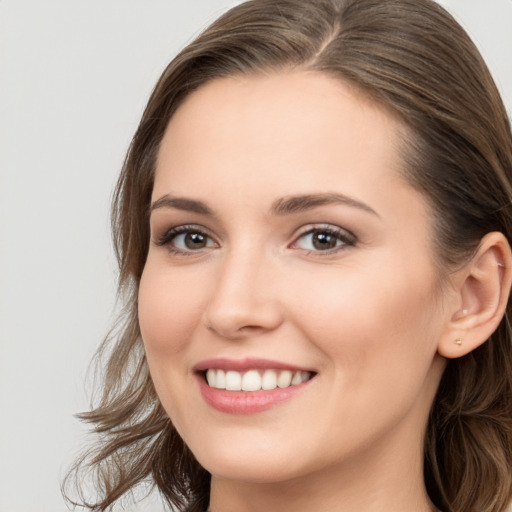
[367,316]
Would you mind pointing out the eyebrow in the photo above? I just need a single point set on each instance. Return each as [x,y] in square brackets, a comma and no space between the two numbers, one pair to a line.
[283,206]
[297,204]
[181,203]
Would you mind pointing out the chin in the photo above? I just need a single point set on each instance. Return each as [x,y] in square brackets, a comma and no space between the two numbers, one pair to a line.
[250,462]
[248,471]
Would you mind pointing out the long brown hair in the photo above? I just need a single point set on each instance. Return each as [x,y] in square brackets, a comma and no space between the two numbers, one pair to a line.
[412,57]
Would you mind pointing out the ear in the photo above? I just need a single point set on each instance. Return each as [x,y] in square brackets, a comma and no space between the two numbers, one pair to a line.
[482,289]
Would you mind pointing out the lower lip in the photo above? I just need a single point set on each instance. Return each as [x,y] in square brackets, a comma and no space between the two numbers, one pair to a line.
[247,402]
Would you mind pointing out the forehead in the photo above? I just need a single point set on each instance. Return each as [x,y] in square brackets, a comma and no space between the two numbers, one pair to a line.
[294,121]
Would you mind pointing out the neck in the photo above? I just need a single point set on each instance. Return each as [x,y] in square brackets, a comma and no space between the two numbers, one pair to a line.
[370,483]
[294,495]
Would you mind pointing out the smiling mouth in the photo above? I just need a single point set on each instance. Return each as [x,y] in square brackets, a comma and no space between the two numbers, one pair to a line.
[255,380]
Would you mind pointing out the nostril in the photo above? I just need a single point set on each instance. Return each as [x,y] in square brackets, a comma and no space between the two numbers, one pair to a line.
[249,328]
[236,311]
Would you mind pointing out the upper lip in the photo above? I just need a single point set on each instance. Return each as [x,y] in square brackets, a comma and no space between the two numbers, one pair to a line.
[242,365]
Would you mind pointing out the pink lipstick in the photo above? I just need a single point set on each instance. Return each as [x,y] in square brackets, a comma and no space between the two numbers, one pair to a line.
[250,385]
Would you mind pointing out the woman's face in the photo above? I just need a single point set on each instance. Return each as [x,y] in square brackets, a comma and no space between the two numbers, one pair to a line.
[287,250]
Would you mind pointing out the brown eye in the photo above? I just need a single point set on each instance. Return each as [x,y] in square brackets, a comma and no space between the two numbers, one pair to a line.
[194,241]
[324,241]
[186,239]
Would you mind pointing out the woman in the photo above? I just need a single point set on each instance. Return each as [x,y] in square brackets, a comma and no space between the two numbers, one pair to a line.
[313,226]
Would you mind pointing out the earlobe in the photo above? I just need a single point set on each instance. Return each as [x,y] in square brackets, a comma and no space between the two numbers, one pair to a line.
[483,288]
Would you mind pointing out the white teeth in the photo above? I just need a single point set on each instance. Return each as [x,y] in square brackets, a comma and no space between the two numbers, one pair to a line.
[251,381]
[297,378]
[216,378]
[254,380]
[220,379]
[233,381]
[284,379]
[210,378]
[269,380]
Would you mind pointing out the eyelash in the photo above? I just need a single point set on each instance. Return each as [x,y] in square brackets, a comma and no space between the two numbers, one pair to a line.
[169,236]
[343,239]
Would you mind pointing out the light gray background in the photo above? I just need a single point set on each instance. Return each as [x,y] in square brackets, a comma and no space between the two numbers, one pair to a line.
[74,78]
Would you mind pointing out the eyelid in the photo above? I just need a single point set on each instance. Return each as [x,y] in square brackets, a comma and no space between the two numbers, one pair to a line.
[347,238]
[170,234]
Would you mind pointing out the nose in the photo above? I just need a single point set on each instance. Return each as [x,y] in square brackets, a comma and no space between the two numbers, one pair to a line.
[245,301]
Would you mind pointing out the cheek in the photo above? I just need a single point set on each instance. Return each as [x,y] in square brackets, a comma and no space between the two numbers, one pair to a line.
[377,332]
[371,320]
[169,310]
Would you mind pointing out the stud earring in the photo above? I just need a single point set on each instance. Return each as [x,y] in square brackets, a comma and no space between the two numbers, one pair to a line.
[458,342]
